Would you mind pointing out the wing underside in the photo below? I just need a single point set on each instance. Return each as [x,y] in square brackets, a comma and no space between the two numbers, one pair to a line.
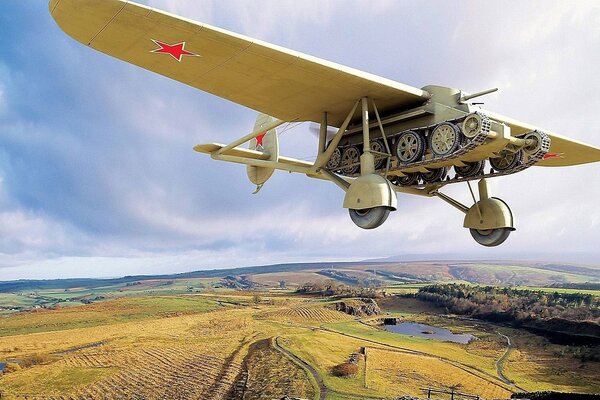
[563,151]
[273,80]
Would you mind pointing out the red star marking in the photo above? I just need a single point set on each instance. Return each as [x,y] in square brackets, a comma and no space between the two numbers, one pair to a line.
[553,156]
[176,51]
[259,139]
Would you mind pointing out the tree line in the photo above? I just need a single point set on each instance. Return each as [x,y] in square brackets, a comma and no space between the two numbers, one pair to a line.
[566,318]
[509,304]
[331,288]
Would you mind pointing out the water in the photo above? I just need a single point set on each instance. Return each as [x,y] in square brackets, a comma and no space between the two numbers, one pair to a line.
[429,332]
[2,366]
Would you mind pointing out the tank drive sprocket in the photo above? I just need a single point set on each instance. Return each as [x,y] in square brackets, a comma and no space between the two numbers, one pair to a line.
[474,124]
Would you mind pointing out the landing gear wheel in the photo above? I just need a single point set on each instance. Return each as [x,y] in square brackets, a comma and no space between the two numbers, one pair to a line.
[335,160]
[490,237]
[507,160]
[470,169]
[409,147]
[350,160]
[378,146]
[444,139]
[409,179]
[369,218]
[436,175]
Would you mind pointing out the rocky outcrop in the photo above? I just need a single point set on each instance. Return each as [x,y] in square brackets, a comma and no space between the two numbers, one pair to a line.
[358,307]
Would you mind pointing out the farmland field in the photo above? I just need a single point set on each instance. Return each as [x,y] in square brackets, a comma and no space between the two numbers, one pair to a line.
[169,339]
[198,346]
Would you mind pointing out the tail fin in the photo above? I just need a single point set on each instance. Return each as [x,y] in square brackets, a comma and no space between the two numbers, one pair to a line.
[268,143]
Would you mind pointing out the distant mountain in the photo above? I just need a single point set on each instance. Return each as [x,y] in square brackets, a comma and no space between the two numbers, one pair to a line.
[388,271]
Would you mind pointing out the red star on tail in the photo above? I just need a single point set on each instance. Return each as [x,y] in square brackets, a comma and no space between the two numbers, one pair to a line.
[177,51]
[259,139]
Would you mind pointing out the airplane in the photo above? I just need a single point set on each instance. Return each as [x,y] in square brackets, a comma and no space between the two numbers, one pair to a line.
[389,137]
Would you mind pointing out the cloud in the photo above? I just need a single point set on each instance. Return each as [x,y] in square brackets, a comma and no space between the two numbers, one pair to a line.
[96,155]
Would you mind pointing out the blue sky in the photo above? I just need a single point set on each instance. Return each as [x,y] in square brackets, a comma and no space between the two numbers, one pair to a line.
[98,179]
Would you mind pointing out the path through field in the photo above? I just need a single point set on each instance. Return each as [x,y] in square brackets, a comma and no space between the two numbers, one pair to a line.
[500,362]
[322,388]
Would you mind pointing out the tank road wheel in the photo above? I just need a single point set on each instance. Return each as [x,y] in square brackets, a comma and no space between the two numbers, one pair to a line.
[350,160]
[369,218]
[470,169]
[409,147]
[444,139]
[490,237]
[378,146]
[409,179]
[436,175]
[507,160]
[335,160]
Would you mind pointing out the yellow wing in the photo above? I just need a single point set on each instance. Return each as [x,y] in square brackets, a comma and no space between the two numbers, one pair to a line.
[273,80]
[563,151]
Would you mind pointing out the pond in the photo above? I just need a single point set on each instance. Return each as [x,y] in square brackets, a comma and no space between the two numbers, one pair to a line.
[429,332]
[2,366]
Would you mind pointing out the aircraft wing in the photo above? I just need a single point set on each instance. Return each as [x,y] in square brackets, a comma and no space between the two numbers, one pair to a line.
[563,151]
[273,80]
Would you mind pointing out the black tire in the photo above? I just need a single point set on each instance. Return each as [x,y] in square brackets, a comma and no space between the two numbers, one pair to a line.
[437,175]
[470,169]
[453,139]
[490,237]
[369,218]
[410,179]
[409,147]
[350,155]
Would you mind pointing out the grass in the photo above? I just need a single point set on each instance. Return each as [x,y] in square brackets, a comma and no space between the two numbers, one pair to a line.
[389,370]
[201,342]
[37,381]
[447,350]
[104,313]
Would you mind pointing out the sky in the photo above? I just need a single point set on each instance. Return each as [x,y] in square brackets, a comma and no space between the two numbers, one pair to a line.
[98,177]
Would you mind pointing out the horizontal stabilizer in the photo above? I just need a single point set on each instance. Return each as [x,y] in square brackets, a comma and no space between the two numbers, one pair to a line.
[239,152]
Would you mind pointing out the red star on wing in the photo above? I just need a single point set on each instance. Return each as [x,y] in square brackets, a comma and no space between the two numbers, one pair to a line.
[554,156]
[259,139]
[177,51]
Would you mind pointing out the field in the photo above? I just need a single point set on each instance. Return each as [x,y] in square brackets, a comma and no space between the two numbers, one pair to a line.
[244,345]
[397,277]
[189,336]
[314,314]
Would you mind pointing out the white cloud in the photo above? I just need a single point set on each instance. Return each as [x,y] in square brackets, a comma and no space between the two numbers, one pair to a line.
[97,170]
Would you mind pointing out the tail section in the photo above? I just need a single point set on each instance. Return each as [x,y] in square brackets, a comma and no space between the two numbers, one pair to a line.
[267,143]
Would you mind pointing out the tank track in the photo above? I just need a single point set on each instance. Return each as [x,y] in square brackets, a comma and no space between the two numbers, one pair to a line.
[464,149]
[530,160]
[471,144]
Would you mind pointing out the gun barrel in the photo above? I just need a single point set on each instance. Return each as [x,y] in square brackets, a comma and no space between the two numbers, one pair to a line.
[478,94]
